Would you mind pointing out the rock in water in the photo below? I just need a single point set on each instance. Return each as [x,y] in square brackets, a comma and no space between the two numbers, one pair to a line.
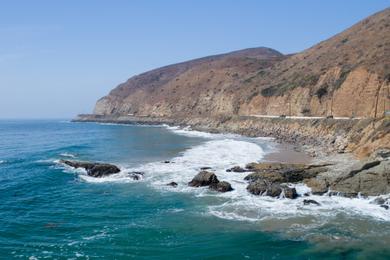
[94,169]
[204,178]
[173,184]
[222,186]
[290,193]
[384,206]
[236,169]
[258,187]
[308,202]
[261,187]
[283,173]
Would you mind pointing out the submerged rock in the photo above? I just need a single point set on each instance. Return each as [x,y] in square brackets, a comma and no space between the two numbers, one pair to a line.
[222,186]
[204,178]
[93,169]
[384,206]
[173,184]
[308,202]
[379,201]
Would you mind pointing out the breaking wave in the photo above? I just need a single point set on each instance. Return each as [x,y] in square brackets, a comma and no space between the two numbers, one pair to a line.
[221,152]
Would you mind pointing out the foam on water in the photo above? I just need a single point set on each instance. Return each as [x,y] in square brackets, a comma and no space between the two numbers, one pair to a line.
[187,131]
[69,155]
[221,152]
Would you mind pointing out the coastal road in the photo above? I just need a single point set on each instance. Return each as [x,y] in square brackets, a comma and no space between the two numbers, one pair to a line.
[307,117]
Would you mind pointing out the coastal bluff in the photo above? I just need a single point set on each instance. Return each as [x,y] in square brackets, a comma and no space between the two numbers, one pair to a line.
[337,92]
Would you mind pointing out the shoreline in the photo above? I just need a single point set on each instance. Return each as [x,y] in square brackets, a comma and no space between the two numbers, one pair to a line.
[322,141]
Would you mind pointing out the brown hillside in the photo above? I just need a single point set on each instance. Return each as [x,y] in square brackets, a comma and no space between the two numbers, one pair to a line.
[345,75]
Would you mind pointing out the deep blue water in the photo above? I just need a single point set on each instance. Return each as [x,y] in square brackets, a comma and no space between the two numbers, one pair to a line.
[48,211]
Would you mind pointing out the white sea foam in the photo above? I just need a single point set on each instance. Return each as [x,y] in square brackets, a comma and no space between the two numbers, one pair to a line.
[224,151]
[68,155]
[2,161]
[187,131]
[122,177]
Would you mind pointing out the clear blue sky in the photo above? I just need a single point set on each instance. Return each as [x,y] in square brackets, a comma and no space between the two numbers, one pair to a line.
[58,57]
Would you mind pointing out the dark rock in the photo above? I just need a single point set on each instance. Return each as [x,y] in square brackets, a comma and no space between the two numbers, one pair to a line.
[308,202]
[138,173]
[382,154]
[261,187]
[93,169]
[236,169]
[136,177]
[167,161]
[290,193]
[384,206]
[173,184]
[222,186]
[380,201]
[205,168]
[364,166]
[204,178]
[283,173]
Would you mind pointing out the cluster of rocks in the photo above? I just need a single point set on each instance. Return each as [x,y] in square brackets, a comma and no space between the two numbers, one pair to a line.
[272,179]
[99,170]
[367,178]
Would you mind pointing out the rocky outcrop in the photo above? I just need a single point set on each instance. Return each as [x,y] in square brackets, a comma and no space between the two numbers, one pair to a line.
[204,178]
[264,188]
[283,173]
[222,186]
[368,178]
[318,186]
[93,169]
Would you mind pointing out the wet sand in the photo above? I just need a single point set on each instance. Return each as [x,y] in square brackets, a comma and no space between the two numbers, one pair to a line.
[286,153]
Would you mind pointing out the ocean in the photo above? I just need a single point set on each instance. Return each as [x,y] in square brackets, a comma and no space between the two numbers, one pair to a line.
[48,210]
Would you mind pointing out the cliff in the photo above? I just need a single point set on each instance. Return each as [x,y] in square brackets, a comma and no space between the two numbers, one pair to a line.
[347,75]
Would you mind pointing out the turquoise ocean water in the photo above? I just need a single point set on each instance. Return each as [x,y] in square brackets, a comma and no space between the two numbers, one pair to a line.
[50,211]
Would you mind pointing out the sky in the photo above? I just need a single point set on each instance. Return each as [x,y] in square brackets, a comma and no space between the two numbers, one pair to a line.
[57,58]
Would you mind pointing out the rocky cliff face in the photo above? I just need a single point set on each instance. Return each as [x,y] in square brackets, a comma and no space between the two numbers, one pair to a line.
[194,87]
[346,75]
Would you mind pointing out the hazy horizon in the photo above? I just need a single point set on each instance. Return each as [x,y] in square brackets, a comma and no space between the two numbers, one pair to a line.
[58,58]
